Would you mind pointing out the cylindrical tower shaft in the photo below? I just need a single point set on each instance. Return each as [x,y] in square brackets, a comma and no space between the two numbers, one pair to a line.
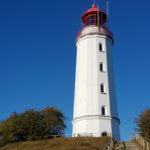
[95,107]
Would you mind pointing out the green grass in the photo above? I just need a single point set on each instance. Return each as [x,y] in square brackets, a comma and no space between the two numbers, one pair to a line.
[82,143]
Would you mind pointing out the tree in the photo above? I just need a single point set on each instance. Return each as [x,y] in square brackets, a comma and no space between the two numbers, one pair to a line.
[54,121]
[32,125]
[143,124]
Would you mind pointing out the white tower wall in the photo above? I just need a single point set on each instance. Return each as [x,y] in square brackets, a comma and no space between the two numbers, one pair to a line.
[89,100]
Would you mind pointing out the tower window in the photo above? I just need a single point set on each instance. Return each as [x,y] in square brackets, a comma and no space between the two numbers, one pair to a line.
[103,88]
[100,47]
[102,67]
[103,110]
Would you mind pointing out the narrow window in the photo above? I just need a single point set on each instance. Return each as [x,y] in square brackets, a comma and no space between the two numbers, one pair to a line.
[103,110]
[103,88]
[100,47]
[102,67]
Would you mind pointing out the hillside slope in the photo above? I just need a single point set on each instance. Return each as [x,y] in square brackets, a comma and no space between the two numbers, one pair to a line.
[82,143]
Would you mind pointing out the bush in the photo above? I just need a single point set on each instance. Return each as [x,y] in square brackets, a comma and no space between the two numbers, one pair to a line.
[143,124]
[32,125]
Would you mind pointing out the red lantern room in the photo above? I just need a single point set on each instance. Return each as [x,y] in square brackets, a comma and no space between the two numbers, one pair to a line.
[95,17]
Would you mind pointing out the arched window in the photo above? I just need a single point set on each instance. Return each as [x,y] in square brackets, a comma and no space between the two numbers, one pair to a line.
[104,133]
[103,110]
[102,67]
[100,47]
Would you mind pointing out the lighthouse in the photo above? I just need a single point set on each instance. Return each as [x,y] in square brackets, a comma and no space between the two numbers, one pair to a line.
[95,106]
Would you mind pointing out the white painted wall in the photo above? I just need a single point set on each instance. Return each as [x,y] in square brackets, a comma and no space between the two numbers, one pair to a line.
[88,99]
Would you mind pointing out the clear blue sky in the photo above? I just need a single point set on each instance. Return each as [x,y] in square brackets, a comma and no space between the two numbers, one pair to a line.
[38,54]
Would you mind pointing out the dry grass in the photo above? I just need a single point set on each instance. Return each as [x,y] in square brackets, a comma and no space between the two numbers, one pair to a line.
[82,143]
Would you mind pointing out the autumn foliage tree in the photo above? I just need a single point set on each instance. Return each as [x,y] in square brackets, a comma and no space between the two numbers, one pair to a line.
[32,125]
[143,124]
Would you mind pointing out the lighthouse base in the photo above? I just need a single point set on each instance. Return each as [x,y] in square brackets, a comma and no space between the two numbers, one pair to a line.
[96,126]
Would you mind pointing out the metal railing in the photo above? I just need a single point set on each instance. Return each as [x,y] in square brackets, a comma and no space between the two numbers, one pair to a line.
[81,135]
[110,145]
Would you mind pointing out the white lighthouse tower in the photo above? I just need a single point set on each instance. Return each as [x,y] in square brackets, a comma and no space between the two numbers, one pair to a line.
[95,107]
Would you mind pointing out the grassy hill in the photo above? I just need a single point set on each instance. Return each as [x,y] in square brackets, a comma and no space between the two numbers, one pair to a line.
[82,143]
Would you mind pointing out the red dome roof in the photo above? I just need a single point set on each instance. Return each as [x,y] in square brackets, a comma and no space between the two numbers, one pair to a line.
[93,10]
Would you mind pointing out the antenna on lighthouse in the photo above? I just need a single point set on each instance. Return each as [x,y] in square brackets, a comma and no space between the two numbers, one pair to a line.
[107,11]
[93,1]
[98,16]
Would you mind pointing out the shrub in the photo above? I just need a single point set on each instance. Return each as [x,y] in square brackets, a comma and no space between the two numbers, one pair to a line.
[31,125]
